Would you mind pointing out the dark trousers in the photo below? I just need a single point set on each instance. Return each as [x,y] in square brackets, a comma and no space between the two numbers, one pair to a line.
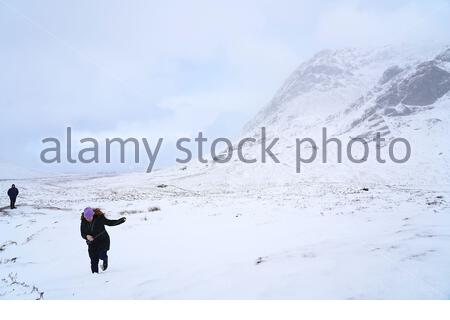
[95,257]
[13,203]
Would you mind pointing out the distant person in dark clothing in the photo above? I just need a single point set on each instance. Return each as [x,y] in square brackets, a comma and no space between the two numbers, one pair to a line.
[13,192]
[93,222]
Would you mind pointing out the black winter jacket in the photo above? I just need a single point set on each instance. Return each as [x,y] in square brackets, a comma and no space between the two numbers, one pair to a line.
[13,193]
[96,228]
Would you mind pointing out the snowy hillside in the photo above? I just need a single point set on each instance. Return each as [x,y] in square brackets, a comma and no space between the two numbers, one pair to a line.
[331,80]
[236,230]
[400,92]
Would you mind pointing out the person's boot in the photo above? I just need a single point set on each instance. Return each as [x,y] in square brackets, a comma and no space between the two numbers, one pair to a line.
[105,264]
[94,267]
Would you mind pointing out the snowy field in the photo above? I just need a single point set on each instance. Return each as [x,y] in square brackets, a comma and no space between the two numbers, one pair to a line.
[185,239]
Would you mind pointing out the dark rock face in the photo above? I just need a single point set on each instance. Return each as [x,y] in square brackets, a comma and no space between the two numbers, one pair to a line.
[403,92]
[426,86]
[389,74]
[391,98]
[422,88]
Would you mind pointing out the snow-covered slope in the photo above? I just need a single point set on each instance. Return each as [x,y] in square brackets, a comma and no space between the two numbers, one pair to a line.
[330,81]
[399,92]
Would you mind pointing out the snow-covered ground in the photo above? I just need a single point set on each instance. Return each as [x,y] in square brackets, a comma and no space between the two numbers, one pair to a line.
[187,239]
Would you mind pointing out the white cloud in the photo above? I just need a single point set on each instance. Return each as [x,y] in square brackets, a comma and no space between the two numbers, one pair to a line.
[354,24]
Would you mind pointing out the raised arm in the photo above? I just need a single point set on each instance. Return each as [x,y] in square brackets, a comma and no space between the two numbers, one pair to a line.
[112,223]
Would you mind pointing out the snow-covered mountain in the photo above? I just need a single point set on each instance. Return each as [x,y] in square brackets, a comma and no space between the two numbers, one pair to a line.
[332,80]
[396,91]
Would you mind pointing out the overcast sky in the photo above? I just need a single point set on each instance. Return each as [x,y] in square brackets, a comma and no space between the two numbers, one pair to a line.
[171,68]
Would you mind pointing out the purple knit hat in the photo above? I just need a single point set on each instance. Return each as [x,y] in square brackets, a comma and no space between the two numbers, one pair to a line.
[88,213]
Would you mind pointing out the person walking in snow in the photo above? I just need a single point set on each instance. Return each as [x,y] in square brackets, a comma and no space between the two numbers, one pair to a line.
[13,192]
[93,222]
